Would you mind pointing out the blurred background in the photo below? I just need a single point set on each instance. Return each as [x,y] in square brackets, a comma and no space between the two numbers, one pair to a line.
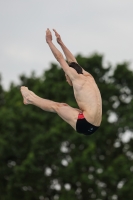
[41,157]
[86,27]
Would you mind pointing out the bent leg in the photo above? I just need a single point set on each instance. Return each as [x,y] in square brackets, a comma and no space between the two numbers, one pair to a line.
[66,112]
[30,97]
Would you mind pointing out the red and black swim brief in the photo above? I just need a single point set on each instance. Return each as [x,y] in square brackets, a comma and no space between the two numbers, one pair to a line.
[84,127]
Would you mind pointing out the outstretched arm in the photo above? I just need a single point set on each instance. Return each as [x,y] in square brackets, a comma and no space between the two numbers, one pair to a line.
[69,56]
[57,54]
[59,57]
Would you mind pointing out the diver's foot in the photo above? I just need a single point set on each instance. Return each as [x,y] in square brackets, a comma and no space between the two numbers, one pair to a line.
[28,96]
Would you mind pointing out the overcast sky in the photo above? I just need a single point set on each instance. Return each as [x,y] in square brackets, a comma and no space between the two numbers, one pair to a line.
[86,26]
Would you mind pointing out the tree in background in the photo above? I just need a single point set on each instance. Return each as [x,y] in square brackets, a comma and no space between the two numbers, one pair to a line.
[43,158]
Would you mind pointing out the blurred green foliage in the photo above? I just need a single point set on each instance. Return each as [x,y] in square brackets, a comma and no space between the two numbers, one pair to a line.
[43,158]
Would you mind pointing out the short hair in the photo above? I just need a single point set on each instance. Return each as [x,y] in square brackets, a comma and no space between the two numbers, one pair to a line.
[76,66]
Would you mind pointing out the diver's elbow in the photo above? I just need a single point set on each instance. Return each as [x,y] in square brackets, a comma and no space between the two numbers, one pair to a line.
[59,57]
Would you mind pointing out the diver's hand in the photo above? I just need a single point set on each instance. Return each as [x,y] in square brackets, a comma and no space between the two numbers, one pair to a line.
[48,36]
[58,37]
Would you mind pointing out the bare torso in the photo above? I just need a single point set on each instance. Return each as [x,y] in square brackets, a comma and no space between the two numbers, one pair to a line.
[88,98]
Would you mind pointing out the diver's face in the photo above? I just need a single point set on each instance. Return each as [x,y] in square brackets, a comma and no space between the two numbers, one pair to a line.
[68,80]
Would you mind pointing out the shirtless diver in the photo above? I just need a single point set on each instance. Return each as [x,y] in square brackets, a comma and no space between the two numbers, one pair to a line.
[87,118]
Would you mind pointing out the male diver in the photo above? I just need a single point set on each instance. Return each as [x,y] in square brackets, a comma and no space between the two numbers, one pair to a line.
[87,118]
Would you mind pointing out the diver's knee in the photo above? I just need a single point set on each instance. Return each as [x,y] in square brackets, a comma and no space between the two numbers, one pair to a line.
[59,106]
